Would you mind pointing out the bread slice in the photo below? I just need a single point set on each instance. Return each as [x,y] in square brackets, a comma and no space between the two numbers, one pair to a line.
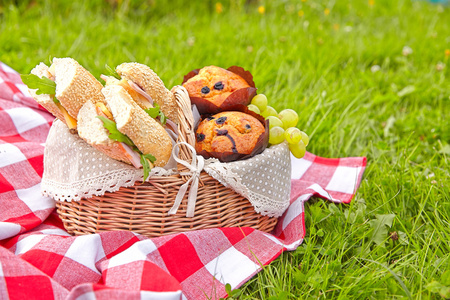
[45,100]
[146,133]
[90,129]
[75,85]
[144,77]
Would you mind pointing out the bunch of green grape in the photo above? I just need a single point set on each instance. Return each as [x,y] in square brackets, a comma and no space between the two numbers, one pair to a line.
[282,125]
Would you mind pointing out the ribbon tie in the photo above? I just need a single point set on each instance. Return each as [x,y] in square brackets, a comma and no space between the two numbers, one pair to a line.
[195,168]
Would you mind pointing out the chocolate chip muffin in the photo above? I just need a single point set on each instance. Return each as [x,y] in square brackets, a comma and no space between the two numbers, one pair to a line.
[215,85]
[228,132]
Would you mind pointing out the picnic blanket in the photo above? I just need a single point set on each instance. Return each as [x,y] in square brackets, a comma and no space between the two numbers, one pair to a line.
[40,260]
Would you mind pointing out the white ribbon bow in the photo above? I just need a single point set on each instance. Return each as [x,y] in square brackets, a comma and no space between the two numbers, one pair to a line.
[195,169]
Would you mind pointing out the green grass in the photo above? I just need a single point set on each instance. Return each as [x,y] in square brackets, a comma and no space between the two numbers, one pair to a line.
[319,65]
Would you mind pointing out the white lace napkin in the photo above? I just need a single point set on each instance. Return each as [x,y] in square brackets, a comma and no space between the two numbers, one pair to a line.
[74,170]
[265,179]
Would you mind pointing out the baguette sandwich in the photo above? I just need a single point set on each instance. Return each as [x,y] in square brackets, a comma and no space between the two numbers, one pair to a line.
[124,131]
[122,120]
[63,88]
[146,89]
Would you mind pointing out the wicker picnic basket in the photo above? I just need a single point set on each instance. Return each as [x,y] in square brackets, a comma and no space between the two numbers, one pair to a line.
[143,208]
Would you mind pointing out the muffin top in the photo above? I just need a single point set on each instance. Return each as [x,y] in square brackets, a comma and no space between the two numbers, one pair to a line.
[229,131]
[214,84]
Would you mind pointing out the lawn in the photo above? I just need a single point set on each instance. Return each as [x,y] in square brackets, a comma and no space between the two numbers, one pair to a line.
[368,78]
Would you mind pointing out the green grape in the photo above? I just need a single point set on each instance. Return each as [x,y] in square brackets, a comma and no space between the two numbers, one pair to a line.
[293,135]
[298,150]
[305,138]
[276,135]
[274,121]
[269,111]
[260,100]
[289,118]
[254,108]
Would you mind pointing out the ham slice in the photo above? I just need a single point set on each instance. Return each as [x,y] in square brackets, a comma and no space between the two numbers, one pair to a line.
[138,89]
[132,155]
[173,126]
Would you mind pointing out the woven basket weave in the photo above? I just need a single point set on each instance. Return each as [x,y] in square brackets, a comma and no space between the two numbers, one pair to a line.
[143,208]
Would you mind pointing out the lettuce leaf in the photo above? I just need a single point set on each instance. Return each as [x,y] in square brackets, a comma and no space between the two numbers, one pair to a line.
[154,112]
[114,133]
[112,72]
[145,158]
[43,85]
[162,117]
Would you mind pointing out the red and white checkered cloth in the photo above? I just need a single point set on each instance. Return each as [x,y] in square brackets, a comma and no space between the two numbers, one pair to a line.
[40,260]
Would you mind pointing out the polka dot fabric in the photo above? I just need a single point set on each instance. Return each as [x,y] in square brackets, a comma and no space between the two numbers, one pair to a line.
[265,179]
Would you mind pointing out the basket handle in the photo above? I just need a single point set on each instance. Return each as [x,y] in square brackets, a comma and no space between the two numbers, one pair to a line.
[186,121]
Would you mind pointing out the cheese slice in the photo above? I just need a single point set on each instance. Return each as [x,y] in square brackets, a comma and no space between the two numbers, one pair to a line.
[70,121]
[102,107]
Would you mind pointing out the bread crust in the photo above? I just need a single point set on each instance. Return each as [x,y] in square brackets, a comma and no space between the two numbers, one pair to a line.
[143,76]
[146,133]
[75,85]
[45,100]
